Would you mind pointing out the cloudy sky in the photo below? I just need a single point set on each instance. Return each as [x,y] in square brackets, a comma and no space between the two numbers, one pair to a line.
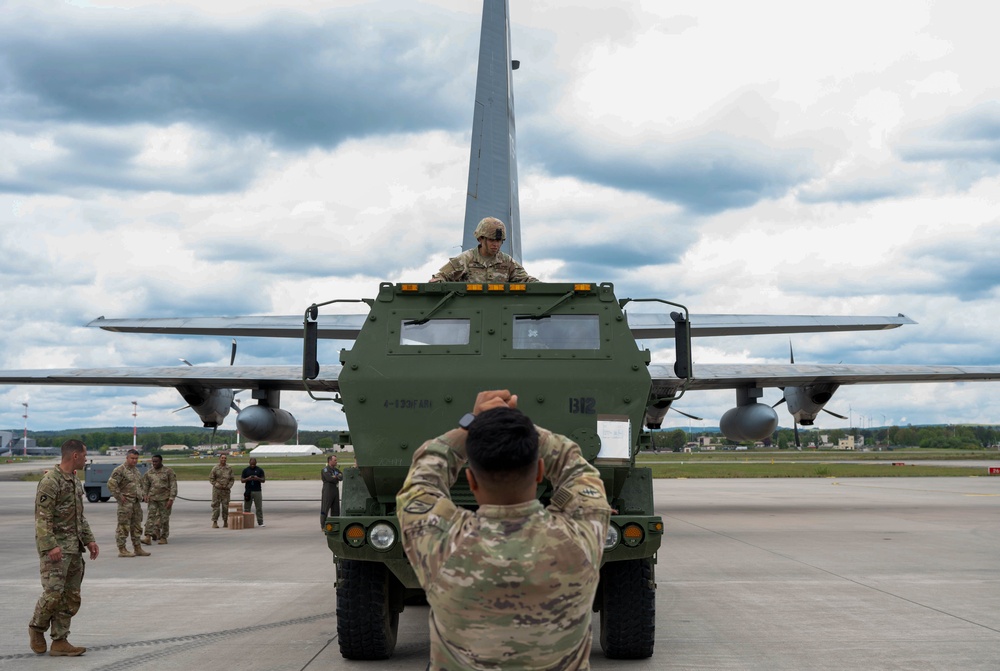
[168,159]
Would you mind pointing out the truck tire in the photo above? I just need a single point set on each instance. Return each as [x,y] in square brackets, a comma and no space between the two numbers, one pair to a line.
[628,609]
[93,494]
[367,619]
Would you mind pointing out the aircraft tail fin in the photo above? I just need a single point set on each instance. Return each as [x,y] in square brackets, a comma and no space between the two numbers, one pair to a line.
[493,161]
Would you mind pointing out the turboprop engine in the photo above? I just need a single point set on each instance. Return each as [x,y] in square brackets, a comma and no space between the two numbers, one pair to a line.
[266,422]
[212,405]
[749,420]
[804,403]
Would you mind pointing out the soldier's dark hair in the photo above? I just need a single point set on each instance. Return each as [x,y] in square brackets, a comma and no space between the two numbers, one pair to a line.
[72,446]
[502,445]
[158,456]
[134,451]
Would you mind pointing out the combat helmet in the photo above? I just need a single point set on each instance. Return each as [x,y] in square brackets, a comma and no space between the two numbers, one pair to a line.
[491,228]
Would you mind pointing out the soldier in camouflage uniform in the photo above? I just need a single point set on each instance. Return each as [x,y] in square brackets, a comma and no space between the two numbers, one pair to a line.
[485,263]
[222,480]
[160,485]
[512,584]
[61,534]
[125,484]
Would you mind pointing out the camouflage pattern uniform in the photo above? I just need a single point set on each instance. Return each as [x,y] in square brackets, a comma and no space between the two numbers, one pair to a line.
[59,521]
[509,586]
[222,480]
[471,266]
[126,486]
[160,486]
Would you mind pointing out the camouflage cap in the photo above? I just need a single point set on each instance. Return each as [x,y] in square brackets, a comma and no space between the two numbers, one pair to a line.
[491,228]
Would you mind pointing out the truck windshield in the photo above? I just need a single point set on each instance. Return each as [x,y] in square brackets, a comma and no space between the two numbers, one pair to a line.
[582,332]
[435,332]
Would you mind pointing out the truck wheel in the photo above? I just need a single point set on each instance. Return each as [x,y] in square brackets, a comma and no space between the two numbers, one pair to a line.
[93,494]
[628,609]
[367,619]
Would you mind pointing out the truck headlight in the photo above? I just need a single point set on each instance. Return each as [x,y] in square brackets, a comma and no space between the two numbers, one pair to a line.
[382,536]
[611,539]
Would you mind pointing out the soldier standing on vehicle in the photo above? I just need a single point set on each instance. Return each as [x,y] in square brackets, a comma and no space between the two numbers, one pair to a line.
[331,476]
[512,584]
[222,480]
[485,263]
[160,485]
[125,484]
[61,534]
[253,478]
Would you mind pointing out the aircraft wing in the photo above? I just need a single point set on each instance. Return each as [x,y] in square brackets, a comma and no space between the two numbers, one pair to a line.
[282,378]
[734,376]
[642,325]
[336,327]
[645,325]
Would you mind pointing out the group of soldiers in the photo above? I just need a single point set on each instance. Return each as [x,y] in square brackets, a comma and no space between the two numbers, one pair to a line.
[158,488]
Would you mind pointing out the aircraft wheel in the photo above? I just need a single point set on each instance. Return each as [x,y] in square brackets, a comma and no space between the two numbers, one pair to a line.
[628,609]
[93,495]
[367,617]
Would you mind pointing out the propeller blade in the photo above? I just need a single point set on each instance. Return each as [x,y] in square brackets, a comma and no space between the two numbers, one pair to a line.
[831,412]
[779,402]
[795,428]
[184,408]
[686,415]
[187,362]
[232,356]
[791,354]
[235,407]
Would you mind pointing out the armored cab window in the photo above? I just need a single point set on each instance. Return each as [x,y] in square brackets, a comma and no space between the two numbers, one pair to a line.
[557,332]
[435,332]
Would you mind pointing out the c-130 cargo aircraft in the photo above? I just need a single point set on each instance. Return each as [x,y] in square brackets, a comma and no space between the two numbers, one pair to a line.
[492,191]
[423,350]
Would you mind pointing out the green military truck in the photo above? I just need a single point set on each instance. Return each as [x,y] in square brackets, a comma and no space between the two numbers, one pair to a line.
[423,354]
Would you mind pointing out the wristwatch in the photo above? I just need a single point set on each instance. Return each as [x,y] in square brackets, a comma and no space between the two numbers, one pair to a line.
[466,421]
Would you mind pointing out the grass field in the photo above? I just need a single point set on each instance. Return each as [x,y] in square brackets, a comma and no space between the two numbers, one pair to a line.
[749,464]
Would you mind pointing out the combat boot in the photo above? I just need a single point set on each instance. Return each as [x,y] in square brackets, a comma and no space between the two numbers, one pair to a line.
[146,539]
[215,524]
[63,648]
[162,541]
[225,523]
[139,552]
[37,638]
[122,552]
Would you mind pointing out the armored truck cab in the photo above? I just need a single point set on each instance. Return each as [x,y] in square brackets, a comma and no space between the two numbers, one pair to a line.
[421,357]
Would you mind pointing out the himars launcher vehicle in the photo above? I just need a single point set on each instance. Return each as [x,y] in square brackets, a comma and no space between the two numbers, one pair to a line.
[569,351]
[424,352]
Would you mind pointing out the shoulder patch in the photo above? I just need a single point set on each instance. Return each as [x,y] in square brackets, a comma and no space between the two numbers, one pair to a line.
[419,507]
[43,498]
[591,493]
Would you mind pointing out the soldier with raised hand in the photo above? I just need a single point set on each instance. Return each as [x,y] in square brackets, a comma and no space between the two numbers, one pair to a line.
[222,480]
[125,484]
[61,534]
[485,263]
[160,485]
[512,584]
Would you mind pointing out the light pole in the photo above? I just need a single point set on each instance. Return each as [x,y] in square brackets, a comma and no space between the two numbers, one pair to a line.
[24,446]
[135,422]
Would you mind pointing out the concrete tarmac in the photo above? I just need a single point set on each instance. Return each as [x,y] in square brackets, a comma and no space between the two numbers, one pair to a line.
[893,573]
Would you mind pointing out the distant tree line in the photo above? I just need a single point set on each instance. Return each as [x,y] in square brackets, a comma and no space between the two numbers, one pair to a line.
[959,437]
[99,440]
